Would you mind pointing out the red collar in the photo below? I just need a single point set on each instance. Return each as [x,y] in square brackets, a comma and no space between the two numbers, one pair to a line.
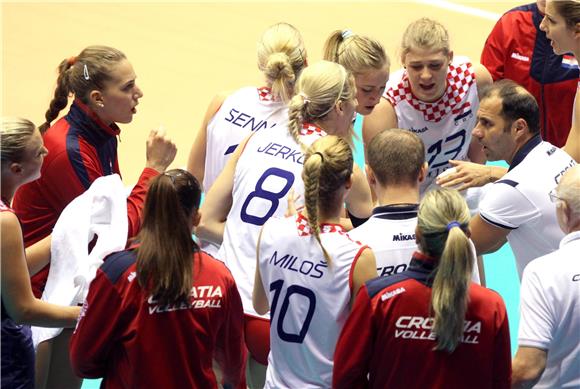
[418,255]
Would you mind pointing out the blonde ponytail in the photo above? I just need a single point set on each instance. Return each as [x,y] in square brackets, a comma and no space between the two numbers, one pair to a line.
[320,87]
[312,168]
[443,219]
[281,56]
[327,167]
[357,53]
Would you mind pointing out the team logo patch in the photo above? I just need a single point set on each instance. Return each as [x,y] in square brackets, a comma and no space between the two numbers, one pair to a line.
[392,293]
[520,57]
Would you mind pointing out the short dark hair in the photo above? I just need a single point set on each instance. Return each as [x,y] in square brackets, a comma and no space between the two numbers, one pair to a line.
[395,156]
[516,103]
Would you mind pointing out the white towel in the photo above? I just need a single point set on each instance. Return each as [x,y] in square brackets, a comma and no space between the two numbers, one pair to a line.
[101,211]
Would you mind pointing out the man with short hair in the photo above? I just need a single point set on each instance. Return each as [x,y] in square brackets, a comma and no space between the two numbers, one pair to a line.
[396,167]
[517,207]
[549,334]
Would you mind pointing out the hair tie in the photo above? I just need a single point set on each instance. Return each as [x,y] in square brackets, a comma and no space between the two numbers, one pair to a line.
[346,33]
[71,61]
[321,156]
[86,72]
[304,97]
[172,178]
[452,224]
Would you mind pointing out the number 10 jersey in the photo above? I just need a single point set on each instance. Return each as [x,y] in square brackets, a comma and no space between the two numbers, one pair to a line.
[309,299]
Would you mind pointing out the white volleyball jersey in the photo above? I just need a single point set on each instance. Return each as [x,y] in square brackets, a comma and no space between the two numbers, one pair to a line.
[245,111]
[270,165]
[550,313]
[309,300]
[519,202]
[444,125]
[390,233]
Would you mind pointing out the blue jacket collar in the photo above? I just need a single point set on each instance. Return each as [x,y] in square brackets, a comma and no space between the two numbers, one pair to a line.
[84,120]
[523,152]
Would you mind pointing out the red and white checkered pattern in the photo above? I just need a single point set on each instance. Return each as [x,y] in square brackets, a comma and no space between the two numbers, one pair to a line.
[304,228]
[265,94]
[459,79]
[309,129]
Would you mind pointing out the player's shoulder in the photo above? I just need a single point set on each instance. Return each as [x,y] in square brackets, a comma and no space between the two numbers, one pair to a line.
[116,264]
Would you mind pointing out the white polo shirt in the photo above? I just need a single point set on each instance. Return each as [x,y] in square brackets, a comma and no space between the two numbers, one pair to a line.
[550,312]
[519,202]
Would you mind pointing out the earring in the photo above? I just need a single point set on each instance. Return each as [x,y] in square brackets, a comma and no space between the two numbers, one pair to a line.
[101,105]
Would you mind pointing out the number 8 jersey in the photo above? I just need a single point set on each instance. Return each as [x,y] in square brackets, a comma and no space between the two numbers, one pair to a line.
[309,299]
[269,166]
[444,125]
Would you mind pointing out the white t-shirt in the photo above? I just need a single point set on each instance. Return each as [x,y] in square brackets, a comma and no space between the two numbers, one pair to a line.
[390,233]
[309,299]
[520,202]
[270,165]
[444,125]
[550,312]
[245,111]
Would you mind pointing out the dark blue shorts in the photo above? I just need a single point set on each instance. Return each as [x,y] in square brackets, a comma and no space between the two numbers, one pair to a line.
[17,356]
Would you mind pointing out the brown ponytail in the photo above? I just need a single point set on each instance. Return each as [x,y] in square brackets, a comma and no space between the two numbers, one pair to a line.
[80,75]
[164,257]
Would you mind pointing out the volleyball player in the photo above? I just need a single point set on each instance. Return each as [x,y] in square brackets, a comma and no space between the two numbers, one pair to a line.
[231,117]
[308,272]
[256,181]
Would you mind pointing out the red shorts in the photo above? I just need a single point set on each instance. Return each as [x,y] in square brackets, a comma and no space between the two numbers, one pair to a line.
[257,333]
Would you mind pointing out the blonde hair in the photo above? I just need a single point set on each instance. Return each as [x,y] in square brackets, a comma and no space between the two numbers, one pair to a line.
[14,137]
[425,33]
[449,243]
[569,10]
[281,56]
[357,53]
[320,87]
[327,167]
[80,75]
